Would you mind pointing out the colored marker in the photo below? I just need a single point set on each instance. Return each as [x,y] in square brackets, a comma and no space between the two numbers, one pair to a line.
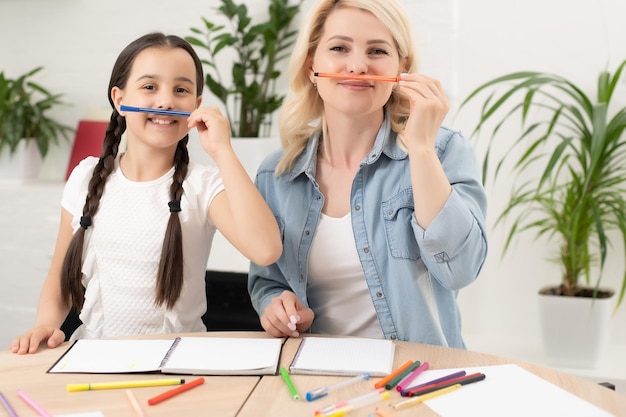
[381,412]
[134,403]
[396,379]
[357,77]
[445,378]
[33,404]
[323,391]
[7,405]
[125,384]
[410,377]
[164,112]
[175,391]
[381,383]
[426,397]
[464,380]
[292,389]
[347,406]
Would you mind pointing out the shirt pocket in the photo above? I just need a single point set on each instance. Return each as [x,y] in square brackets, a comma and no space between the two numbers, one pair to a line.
[397,214]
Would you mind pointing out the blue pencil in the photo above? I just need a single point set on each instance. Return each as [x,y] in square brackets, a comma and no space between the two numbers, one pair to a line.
[155,111]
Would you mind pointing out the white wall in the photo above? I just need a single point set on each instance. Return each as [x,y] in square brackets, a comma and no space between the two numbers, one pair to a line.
[462,42]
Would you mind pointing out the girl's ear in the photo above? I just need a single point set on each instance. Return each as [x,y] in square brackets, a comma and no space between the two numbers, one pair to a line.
[198,102]
[117,96]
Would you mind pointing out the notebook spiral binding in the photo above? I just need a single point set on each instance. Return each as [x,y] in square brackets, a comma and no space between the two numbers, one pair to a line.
[169,352]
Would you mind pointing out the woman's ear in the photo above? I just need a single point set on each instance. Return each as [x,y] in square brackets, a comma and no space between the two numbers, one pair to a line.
[308,64]
[198,102]
[404,63]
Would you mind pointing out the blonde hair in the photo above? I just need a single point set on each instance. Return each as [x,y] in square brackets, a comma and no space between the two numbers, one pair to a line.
[302,113]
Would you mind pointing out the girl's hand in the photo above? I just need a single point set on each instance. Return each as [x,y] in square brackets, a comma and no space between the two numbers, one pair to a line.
[428,108]
[29,342]
[286,316]
[213,128]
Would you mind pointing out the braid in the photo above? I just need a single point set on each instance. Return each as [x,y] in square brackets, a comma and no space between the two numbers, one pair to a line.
[71,272]
[170,275]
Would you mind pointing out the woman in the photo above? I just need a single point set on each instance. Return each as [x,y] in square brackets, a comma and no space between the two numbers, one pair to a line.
[382,210]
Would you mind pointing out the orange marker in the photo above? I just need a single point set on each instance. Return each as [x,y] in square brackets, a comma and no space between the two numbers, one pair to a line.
[175,391]
[358,77]
[383,382]
[381,412]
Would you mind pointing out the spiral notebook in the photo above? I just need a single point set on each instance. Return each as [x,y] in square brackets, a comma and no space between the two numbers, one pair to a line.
[183,355]
[343,356]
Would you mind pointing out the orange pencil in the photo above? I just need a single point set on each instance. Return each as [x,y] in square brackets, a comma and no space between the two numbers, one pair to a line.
[358,77]
[392,375]
[175,391]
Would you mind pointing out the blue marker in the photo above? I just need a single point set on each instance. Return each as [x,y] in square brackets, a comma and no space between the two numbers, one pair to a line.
[323,391]
[155,111]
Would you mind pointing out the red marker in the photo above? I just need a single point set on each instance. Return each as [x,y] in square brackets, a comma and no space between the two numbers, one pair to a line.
[175,391]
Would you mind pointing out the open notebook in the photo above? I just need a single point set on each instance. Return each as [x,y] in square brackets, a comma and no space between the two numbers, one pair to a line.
[183,355]
[343,356]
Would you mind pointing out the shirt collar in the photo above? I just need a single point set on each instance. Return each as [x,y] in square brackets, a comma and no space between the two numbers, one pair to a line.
[386,142]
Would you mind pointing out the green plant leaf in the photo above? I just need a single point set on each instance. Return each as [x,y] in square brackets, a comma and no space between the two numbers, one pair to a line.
[249,100]
[577,152]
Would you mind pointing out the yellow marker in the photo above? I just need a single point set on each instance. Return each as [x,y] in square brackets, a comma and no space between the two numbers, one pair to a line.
[125,384]
[427,397]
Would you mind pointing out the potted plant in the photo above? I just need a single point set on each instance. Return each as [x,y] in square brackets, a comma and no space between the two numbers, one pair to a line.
[571,159]
[251,98]
[24,119]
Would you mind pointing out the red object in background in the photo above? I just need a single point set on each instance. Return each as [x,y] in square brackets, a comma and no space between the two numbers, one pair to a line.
[87,142]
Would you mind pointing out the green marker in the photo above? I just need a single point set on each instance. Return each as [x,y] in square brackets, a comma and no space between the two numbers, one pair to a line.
[292,389]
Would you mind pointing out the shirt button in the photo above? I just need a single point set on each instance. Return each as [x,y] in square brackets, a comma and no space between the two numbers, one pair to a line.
[394,337]
[366,250]
[357,208]
[307,232]
[379,294]
[301,277]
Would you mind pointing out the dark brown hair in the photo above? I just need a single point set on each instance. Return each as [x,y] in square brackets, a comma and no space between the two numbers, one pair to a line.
[170,273]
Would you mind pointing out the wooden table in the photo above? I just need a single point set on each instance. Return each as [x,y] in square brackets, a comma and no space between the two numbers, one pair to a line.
[246,396]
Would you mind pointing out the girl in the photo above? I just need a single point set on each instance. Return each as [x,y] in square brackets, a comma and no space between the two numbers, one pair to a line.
[137,226]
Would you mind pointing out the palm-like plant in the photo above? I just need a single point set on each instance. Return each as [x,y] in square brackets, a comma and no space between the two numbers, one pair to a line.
[577,148]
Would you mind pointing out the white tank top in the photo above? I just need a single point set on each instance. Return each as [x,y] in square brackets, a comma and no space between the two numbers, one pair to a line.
[337,291]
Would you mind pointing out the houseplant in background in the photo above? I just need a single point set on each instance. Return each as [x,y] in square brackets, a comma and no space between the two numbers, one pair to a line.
[251,98]
[570,163]
[26,128]
[242,61]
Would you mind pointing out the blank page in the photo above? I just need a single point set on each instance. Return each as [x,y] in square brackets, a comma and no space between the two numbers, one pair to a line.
[224,356]
[343,356]
[508,390]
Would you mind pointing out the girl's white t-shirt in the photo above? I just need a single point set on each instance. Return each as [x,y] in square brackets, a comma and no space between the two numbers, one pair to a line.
[336,287]
[122,251]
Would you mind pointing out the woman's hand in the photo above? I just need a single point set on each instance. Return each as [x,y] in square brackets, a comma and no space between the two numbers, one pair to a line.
[428,108]
[286,316]
[29,342]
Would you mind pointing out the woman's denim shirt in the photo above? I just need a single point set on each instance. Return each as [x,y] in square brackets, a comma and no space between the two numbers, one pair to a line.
[413,274]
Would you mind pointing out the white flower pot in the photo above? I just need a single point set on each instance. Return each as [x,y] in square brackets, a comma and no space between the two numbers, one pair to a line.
[575,330]
[23,165]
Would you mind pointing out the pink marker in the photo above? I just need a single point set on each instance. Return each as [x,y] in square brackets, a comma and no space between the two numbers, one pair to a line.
[410,377]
